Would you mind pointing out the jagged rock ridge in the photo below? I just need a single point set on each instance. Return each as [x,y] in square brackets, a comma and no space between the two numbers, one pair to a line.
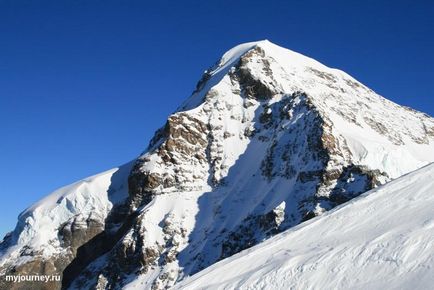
[269,138]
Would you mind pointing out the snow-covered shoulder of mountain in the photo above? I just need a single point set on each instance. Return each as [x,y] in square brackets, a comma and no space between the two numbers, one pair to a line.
[89,199]
[382,240]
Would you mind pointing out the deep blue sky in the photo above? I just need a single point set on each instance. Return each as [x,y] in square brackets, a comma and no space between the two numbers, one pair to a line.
[84,84]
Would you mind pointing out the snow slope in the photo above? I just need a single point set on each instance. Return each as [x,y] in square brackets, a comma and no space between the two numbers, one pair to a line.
[383,239]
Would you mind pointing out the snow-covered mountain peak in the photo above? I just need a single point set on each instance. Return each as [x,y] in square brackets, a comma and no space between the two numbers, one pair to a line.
[349,108]
[291,58]
[292,61]
[269,138]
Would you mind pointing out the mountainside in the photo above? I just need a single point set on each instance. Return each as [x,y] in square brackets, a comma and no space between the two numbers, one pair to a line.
[269,138]
[382,240]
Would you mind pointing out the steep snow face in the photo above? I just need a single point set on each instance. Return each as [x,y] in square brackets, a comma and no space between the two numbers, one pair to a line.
[268,139]
[381,240]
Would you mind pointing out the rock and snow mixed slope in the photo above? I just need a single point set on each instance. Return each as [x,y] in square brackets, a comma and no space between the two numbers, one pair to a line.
[383,239]
[268,139]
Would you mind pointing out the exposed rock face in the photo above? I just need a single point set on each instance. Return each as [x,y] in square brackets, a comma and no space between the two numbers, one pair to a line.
[182,143]
[268,139]
[41,267]
[73,234]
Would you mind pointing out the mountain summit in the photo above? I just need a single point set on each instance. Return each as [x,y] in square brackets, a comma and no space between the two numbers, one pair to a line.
[268,139]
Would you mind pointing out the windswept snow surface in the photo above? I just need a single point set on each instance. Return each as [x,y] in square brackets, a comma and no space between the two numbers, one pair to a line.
[382,240]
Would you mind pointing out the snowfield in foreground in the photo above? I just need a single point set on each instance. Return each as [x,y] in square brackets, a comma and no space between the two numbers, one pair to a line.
[382,240]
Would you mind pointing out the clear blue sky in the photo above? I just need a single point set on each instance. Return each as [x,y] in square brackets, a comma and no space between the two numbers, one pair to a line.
[84,84]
